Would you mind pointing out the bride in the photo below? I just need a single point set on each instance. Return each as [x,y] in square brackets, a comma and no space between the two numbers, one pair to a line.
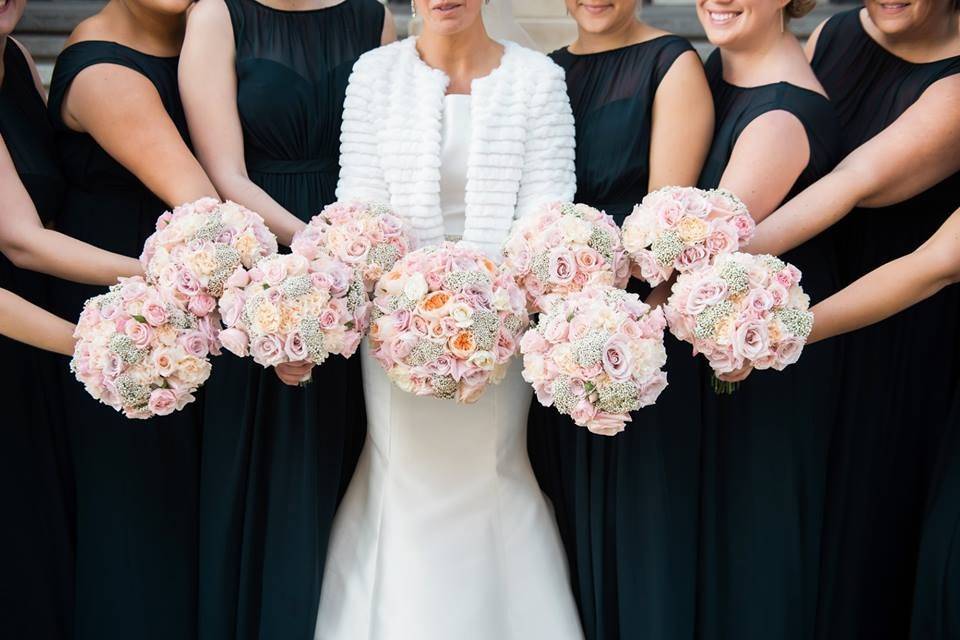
[444,533]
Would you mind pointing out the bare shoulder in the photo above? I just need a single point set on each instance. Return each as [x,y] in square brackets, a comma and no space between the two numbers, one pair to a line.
[92,28]
[208,14]
[777,129]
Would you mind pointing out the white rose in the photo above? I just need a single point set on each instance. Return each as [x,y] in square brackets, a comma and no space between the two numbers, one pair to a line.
[483,360]
[415,287]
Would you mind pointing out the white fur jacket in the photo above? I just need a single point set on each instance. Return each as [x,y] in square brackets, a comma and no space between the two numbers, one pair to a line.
[521,150]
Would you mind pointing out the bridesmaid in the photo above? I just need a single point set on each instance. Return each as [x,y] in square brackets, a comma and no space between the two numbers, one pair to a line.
[764,449]
[893,73]
[38,552]
[876,296]
[263,84]
[122,143]
[627,506]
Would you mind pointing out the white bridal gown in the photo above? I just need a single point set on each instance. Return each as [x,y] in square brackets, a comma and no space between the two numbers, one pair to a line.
[444,533]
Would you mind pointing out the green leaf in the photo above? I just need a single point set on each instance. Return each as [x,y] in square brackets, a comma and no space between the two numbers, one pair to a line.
[139,318]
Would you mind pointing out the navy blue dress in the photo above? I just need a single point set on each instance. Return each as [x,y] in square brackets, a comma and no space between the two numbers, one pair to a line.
[627,505]
[277,459]
[137,481]
[765,447]
[36,539]
[901,374]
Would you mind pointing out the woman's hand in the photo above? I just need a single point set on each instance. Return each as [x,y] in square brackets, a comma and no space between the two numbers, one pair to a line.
[294,373]
[739,375]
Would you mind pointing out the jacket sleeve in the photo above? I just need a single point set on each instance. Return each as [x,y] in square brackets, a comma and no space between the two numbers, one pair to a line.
[548,165]
[361,173]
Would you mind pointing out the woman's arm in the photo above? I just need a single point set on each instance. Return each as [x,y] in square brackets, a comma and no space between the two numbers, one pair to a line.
[894,286]
[123,112]
[682,125]
[28,323]
[27,244]
[208,88]
[914,153]
[549,174]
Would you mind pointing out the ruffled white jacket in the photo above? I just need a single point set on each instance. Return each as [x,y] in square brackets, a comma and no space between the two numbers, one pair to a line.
[521,150]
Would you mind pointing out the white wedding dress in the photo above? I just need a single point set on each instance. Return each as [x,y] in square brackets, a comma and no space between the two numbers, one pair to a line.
[444,533]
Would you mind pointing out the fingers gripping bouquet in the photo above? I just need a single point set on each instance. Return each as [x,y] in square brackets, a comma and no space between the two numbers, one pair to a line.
[684,228]
[290,309]
[446,322]
[596,356]
[139,354]
[369,238]
[197,246]
[743,309]
[565,248]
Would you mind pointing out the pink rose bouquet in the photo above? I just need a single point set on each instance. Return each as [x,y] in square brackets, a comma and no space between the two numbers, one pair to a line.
[369,238]
[139,354]
[290,309]
[197,246]
[565,248]
[446,322]
[742,309]
[596,356]
[684,228]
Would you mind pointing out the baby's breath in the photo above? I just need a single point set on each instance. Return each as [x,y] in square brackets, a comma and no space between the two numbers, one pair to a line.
[798,323]
[666,247]
[618,397]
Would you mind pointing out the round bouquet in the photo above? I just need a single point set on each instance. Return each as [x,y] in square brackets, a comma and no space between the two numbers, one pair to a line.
[197,246]
[289,309]
[565,248]
[370,238]
[596,356]
[139,354]
[446,322]
[743,309]
[684,228]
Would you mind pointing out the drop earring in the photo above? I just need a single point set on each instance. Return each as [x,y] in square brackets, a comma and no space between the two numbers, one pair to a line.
[413,8]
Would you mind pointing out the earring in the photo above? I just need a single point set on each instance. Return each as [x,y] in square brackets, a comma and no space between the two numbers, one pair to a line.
[413,8]
[781,19]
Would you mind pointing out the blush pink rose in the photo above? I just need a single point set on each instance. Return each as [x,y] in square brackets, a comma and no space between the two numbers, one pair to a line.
[139,332]
[274,272]
[295,348]
[692,257]
[202,304]
[162,402]
[187,283]
[745,227]
[267,350]
[154,313]
[616,358]
[562,266]
[235,341]
[195,343]
[751,340]
[788,352]
[706,293]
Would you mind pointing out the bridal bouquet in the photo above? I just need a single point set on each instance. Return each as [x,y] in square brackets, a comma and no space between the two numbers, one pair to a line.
[139,354]
[198,245]
[367,237]
[743,309]
[565,248]
[683,228]
[446,322]
[596,356]
[290,309]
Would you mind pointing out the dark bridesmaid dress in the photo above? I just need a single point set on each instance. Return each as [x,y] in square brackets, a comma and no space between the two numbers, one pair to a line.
[627,505]
[36,590]
[277,459]
[901,374]
[136,481]
[765,447]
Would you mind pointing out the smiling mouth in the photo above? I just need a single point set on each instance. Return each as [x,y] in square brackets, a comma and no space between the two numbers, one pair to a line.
[723,17]
[3,4]
[446,7]
[893,6]
[595,8]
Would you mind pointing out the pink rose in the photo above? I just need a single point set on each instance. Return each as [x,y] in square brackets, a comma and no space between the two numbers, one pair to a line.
[162,402]
[652,388]
[240,278]
[274,271]
[706,293]
[778,293]
[721,239]
[783,278]
[562,266]
[751,340]
[693,203]
[692,257]
[154,313]
[328,319]
[400,346]
[356,251]
[555,330]
[187,283]
[267,350]
[506,346]
[132,288]
[139,332]
[788,352]
[668,213]
[583,412]
[112,365]
[589,260]
[647,268]
[195,343]
[606,424]
[202,304]
[235,341]
[617,361]
[760,301]
[724,360]
[745,227]
[296,348]
[533,342]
